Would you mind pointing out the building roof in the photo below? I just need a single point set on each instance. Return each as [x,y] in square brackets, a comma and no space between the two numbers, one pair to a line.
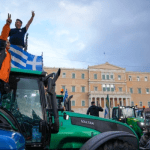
[106,66]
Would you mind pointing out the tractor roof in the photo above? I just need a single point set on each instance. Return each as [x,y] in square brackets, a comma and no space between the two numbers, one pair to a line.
[25,71]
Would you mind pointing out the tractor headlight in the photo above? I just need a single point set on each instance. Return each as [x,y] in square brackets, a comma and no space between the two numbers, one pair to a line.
[141,125]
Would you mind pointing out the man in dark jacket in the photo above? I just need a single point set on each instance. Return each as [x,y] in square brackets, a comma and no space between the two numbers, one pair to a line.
[94,110]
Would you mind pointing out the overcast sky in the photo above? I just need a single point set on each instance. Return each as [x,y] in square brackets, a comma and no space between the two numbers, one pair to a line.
[78,33]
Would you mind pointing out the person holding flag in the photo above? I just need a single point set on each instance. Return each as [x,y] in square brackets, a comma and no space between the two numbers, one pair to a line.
[107,109]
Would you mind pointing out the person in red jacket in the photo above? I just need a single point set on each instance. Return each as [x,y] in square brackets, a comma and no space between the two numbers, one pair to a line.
[5,57]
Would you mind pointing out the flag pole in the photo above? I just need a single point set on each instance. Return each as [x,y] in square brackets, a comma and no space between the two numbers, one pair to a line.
[42,62]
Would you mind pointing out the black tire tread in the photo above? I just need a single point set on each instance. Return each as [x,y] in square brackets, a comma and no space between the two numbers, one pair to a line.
[116,145]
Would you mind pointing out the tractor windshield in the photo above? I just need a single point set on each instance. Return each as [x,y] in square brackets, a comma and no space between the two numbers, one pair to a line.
[23,101]
[127,112]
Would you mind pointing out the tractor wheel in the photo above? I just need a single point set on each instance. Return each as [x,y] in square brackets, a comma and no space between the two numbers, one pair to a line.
[116,145]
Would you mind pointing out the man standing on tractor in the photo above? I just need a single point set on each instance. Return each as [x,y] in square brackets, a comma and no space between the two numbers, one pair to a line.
[94,110]
[17,34]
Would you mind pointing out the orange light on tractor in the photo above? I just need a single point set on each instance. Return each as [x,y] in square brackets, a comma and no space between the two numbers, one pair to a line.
[61,91]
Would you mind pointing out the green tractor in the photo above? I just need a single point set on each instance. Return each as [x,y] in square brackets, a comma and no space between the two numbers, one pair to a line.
[127,114]
[36,114]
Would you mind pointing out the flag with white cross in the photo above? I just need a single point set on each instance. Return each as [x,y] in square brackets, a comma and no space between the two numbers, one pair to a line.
[24,60]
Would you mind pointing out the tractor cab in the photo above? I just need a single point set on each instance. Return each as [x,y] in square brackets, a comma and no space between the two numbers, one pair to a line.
[23,106]
[63,104]
[120,113]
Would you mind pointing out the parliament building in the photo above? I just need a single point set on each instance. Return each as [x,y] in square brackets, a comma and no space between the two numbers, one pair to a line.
[95,82]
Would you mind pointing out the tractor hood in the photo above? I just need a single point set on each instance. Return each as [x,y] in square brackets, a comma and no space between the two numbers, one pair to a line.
[141,119]
[97,123]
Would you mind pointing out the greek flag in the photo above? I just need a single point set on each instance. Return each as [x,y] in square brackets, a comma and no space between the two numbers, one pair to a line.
[24,60]
[65,96]
[107,112]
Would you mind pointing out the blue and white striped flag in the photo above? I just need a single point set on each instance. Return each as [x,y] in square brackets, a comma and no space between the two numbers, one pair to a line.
[24,60]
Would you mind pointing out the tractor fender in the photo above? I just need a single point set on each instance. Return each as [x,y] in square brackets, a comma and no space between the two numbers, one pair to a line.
[102,138]
[11,140]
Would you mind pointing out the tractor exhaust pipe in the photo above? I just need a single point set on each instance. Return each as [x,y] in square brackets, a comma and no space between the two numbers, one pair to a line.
[51,92]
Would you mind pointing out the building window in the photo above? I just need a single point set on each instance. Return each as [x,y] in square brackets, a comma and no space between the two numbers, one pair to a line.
[119,77]
[64,75]
[131,90]
[82,76]
[73,75]
[146,79]
[149,104]
[103,77]
[138,78]
[112,77]
[95,88]
[107,76]
[130,78]
[83,88]
[73,88]
[132,103]
[83,103]
[72,103]
[64,87]
[147,90]
[120,89]
[95,76]
[141,104]
[104,88]
[139,90]
[112,88]
[108,88]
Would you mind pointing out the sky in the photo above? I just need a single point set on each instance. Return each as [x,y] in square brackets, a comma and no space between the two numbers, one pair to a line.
[82,33]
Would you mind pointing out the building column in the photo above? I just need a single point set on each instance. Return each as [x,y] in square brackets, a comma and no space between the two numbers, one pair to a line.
[118,101]
[122,101]
[90,101]
[126,102]
[100,101]
[130,101]
[113,102]
[104,102]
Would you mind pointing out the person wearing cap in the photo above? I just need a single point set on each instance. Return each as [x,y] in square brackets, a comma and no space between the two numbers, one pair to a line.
[94,110]
[17,34]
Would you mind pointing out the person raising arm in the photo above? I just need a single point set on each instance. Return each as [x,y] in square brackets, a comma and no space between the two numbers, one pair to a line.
[17,34]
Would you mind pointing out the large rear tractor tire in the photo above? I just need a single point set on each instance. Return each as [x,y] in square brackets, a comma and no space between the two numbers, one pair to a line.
[116,145]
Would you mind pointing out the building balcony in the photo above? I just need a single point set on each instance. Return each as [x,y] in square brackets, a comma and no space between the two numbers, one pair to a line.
[108,92]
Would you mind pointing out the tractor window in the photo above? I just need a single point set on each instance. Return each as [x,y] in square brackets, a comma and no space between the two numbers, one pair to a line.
[28,98]
[127,112]
[23,101]
[115,114]
[60,102]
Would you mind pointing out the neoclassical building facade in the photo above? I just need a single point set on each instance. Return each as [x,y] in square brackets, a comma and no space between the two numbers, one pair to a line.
[95,82]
